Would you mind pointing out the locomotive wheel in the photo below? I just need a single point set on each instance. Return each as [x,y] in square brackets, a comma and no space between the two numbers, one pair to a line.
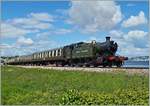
[110,64]
[79,65]
[95,65]
[119,64]
[105,64]
[87,65]
[62,64]
[72,65]
[56,64]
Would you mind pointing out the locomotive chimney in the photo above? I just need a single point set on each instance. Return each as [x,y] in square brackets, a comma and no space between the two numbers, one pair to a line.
[107,39]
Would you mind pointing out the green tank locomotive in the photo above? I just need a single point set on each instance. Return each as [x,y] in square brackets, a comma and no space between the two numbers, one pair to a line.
[94,53]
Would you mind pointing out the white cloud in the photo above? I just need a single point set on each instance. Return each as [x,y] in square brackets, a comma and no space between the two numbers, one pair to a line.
[62,31]
[30,23]
[135,20]
[18,28]
[18,21]
[8,49]
[42,17]
[25,46]
[116,33]
[8,30]
[42,35]
[90,39]
[92,16]
[132,35]
[24,41]
[130,50]
[14,51]
[5,46]
[40,26]
[132,43]
[56,31]
[130,5]
[135,34]
[148,45]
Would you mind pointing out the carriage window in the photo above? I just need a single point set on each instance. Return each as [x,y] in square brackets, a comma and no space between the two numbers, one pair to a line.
[56,52]
[44,54]
[60,52]
[53,52]
[41,55]
[49,53]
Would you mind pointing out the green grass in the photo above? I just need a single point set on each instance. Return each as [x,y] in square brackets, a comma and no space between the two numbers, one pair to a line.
[45,86]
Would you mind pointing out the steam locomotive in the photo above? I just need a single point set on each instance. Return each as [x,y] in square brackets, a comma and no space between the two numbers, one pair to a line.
[77,54]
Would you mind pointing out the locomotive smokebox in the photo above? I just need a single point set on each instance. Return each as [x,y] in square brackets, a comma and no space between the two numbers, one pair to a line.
[107,39]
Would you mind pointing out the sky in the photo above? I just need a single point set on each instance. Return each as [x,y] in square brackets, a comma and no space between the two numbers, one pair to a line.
[32,26]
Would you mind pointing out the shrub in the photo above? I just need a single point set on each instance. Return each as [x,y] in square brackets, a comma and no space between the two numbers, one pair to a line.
[132,96]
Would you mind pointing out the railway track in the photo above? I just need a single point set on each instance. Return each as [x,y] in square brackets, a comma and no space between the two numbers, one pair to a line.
[100,67]
[128,70]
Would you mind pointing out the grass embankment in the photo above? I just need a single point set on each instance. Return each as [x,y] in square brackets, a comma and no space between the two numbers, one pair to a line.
[44,86]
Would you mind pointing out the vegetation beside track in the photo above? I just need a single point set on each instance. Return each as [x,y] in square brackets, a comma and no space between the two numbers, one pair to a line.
[46,86]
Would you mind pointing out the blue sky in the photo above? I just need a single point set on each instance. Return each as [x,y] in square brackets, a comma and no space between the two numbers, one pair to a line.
[29,27]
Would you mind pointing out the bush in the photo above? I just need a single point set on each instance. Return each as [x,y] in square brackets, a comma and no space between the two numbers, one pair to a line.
[132,96]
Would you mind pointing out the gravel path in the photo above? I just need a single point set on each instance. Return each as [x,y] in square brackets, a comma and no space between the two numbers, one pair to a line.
[114,70]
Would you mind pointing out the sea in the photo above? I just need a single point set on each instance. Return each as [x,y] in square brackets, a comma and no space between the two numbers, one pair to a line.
[144,64]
